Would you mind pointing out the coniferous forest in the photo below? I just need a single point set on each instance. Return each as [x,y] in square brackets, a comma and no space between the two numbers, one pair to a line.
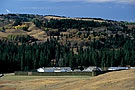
[28,42]
[27,57]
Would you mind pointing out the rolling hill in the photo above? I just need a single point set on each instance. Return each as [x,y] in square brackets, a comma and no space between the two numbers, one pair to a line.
[119,80]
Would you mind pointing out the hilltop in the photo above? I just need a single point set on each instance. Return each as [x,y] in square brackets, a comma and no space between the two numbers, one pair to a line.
[73,30]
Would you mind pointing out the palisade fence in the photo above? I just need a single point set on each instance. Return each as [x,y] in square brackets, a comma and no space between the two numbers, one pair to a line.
[58,73]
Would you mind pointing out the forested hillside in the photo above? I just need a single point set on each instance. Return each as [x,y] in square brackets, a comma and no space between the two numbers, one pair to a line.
[28,42]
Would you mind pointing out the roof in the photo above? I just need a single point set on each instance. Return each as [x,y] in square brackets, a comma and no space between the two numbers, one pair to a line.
[54,69]
[118,68]
[92,68]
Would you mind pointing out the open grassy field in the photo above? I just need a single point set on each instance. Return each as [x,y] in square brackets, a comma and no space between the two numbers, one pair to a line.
[120,80]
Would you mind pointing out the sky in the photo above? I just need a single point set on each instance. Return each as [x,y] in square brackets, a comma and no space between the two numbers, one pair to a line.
[121,10]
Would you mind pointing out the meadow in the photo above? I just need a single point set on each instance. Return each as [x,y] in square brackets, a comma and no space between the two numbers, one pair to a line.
[119,80]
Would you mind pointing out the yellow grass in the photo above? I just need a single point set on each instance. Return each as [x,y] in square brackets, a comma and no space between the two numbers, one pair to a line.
[120,80]
[59,18]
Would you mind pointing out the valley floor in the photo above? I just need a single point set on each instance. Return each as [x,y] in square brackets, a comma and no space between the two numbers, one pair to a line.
[119,80]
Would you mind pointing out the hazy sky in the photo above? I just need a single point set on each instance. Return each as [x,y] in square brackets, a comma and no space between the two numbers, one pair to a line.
[107,9]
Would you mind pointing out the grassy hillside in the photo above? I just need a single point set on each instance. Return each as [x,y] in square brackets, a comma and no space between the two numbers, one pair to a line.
[87,29]
[119,80]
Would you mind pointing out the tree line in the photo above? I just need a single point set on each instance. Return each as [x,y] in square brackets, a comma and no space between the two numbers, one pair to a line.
[116,51]
[74,24]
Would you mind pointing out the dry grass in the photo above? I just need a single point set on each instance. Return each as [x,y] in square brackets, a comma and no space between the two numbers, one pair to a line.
[38,34]
[11,32]
[59,18]
[120,80]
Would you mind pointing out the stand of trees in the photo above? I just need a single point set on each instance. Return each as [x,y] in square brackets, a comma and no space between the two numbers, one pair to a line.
[75,24]
[25,57]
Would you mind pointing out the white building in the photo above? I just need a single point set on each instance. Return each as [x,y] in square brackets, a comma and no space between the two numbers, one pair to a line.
[117,68]
[92,68]
[40,70]
[54,69]
[132,67]
[77,70]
